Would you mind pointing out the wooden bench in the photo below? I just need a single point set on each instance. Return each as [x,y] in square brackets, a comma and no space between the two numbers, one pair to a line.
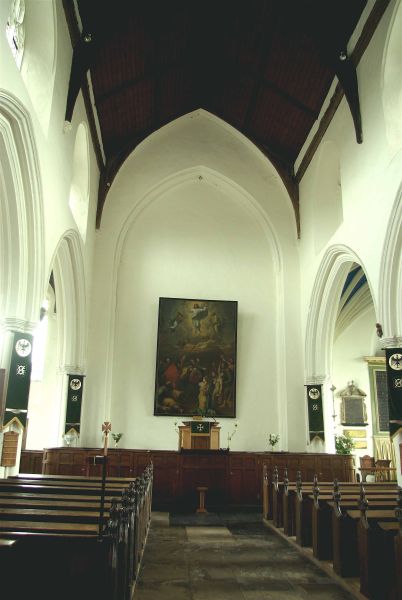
[329,517]
[321,518]
[58,513]
[283,498]
[344,537]
[377,558]
[297,505]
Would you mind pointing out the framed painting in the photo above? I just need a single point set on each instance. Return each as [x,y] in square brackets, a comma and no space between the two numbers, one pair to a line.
[196,358]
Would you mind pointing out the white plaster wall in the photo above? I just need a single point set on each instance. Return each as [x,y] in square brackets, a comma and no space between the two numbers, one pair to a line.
[43,426]
[350,348]
[198,146]
[194,242]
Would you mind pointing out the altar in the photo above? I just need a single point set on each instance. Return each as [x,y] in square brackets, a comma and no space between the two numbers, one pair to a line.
[199,435]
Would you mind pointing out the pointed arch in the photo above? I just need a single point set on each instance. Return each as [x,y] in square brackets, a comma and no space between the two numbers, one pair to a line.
[21,209]
[323,309]
[68,270]
[390,285]
[238,195]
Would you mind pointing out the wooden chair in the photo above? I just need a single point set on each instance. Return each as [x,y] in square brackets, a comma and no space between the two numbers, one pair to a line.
[385,474]
[367,466]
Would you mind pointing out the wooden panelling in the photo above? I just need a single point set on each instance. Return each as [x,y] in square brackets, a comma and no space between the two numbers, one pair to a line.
[233,479]
[31,461]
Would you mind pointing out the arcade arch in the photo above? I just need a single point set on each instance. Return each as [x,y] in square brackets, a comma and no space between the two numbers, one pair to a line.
[21,210]
[65,344]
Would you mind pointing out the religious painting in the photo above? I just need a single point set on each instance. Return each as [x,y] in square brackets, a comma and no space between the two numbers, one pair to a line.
[196,358]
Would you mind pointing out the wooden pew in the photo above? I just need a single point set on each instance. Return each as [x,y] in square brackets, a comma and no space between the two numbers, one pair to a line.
[64,478]
[321,516]
[279,489]
[50,565]
[50,503]
[297,505]
[378,556]
[344,534]
[398,559]
[322,507]
[331,524]
[377,559]
[69,522]
[39,488]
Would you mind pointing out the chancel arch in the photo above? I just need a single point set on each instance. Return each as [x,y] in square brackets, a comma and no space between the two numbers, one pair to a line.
[173,175]
[205,226]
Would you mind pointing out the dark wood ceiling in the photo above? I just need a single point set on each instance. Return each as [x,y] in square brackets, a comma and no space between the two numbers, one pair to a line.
[263,66]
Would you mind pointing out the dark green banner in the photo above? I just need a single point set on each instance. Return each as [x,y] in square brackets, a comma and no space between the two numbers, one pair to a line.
[74,403]
[19,379]
[394,378]
[200,427]
[315,411]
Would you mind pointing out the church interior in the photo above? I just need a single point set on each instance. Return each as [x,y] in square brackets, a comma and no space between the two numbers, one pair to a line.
[200,251]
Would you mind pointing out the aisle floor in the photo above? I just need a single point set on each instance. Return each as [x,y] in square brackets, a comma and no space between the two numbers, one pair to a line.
[227,557]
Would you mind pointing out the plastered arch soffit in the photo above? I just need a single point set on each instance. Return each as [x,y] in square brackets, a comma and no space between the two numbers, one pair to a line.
[215,179]
[323,309]
[69,277]
[22,207]
[390,284]
[247,144]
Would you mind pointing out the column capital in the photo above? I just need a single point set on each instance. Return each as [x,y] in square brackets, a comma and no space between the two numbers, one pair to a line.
[392,342]
[19,325]
[71,370]
[317,379]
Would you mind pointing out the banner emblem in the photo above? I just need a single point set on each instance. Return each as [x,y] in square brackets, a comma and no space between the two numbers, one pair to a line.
[74,403]
[315,412]
[394,368]
[23,347]
[395,362]
[19,380]
[75,384]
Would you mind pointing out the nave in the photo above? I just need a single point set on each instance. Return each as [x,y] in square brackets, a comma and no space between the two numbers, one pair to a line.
[228,556]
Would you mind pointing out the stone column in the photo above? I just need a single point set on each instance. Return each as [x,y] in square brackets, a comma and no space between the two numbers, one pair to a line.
[8,327]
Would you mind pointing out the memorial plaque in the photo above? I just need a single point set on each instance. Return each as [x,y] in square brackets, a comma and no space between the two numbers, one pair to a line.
[10,446]
[353,411]
[353,408]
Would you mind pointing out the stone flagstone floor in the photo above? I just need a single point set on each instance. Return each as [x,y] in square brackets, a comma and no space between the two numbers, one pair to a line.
[227,557]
